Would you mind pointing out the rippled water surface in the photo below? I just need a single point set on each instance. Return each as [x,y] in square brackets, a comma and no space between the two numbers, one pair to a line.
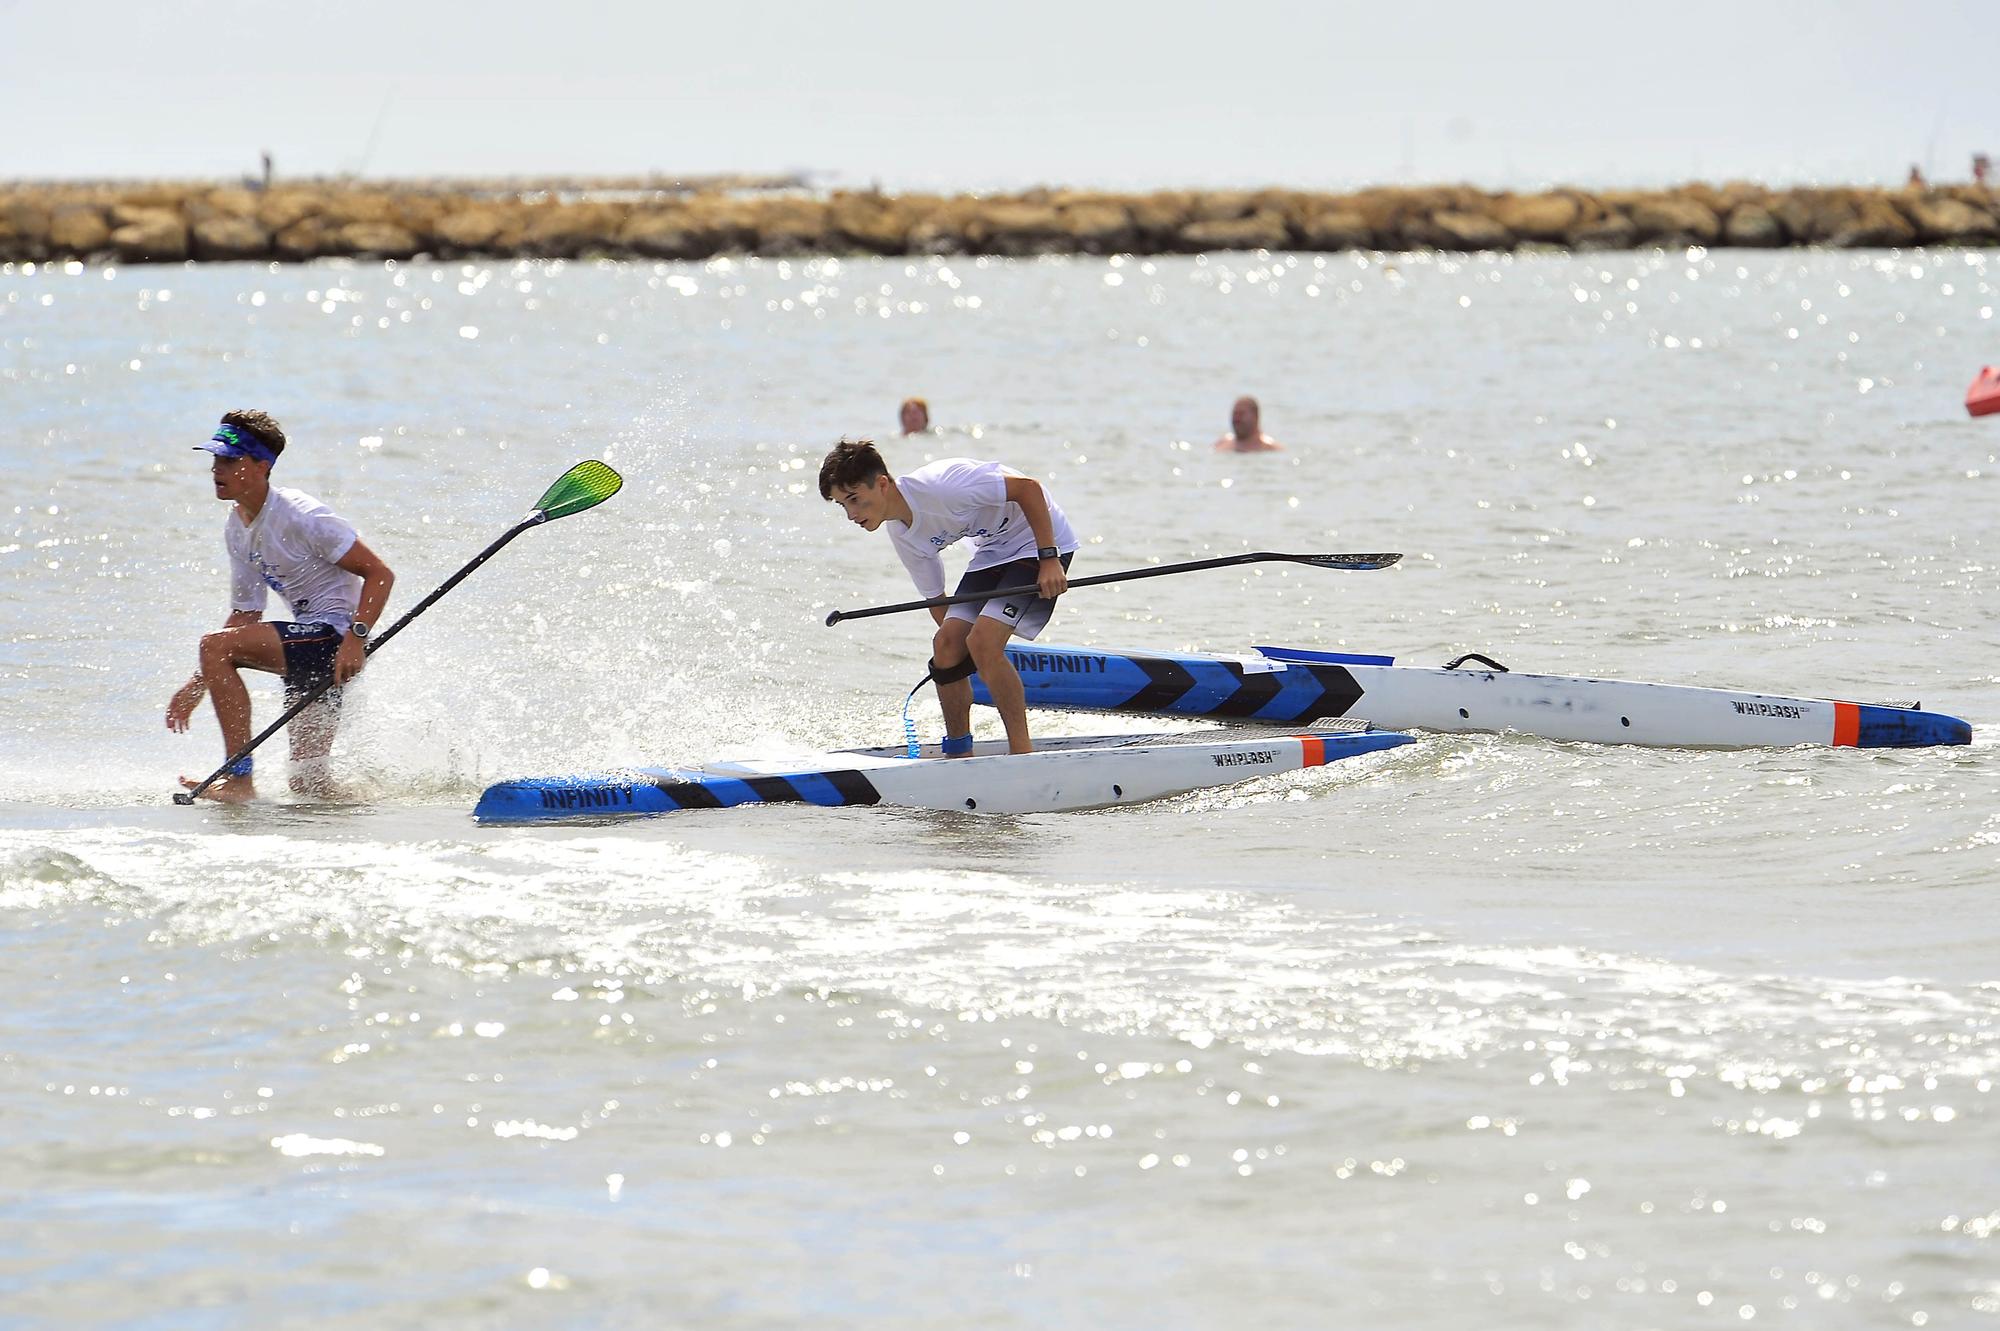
[1486,1030]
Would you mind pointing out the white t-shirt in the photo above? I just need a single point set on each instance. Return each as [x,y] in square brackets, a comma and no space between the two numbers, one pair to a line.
[290,549]
[958,499]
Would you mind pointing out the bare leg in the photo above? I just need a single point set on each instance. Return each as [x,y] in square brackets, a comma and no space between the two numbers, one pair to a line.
[311,735]
[954,699]
[988,645]
[223,654]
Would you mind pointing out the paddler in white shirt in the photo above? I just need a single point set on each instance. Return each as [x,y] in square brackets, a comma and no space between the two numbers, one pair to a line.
[1020,538]
[285,541]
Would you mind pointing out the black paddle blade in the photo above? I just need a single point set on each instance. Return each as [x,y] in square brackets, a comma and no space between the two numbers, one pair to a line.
[1361,562]
[586,485]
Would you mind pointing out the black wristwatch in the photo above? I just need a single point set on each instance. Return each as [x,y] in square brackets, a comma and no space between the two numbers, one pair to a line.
[1048,552]
[359,628]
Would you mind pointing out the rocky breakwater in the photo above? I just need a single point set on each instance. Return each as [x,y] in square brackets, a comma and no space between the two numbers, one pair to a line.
[170,224]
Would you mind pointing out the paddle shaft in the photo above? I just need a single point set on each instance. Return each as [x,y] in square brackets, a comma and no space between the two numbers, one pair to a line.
[1130,575]
[532,520]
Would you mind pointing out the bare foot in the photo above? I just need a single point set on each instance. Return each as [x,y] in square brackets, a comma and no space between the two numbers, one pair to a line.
[229,790]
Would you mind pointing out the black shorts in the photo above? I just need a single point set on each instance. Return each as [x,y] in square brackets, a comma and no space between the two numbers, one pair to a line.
[1028,615]
[309,653]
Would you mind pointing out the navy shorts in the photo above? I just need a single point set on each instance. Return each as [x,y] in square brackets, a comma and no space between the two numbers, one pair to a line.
[309,653]
[1028,615]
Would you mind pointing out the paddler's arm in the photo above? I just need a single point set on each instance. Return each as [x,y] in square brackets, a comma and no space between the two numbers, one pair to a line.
[1027,492]
[926,575]
[189,695]
[376,580]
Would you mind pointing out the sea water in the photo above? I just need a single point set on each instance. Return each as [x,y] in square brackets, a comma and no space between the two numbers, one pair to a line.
[1486,1030]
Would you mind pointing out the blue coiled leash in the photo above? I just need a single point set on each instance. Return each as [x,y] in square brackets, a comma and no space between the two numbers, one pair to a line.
[953,745]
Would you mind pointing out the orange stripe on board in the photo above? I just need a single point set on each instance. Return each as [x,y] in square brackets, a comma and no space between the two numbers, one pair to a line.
[1846,724]
[1313,750]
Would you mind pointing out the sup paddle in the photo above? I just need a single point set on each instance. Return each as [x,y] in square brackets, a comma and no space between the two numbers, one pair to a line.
[1159,571]
[586,485]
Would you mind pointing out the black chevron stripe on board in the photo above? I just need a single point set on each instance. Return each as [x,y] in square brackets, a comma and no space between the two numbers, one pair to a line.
[1341,692]
[774,789]
[1166,682]
[1252,692]
[689,794]
[854,788]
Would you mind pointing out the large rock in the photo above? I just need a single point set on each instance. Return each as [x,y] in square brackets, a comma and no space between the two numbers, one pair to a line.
[871,222]
[1666,220]
[1396,218]
[1452,230]
[377,240]
[79,229]
[1223,206]
[1260,231]
[1543,217]
[792,226]
[1752,227]
[1099,228]
[279,209]
[1336,229]
[308,238]
[1294,206]
[563,231]
[228,202]
[1726,198]
[1006,227]
[351,205]
[24,230]
[1875,225]
[1952,222]
[938,233]
[479,228]
[159,195]
[1158,218]
[1815,216]
[1613,231]
[733,222]
[149,235]
[668,233]
[227,238]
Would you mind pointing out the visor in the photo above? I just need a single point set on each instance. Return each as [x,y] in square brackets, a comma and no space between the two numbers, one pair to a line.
[231,441]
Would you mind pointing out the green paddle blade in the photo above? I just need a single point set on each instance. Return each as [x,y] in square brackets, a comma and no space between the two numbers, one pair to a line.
[586,485]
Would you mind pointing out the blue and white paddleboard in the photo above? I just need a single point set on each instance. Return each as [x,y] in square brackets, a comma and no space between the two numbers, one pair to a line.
[1082,772]
[1290,686]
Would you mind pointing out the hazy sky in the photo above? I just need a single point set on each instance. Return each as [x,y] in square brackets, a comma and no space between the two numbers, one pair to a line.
[933,93]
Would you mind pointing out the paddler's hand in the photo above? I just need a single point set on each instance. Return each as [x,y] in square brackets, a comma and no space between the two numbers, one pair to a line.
[1052,580]
[185,700]
[347,662]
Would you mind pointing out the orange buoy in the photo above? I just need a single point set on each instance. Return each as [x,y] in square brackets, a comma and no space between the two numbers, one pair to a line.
[1983,398]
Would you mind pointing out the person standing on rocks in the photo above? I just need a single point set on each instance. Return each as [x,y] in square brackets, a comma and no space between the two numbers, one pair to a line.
[1246,434]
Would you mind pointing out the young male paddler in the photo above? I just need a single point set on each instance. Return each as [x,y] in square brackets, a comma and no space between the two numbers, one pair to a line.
[285,541]
[1020,538]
